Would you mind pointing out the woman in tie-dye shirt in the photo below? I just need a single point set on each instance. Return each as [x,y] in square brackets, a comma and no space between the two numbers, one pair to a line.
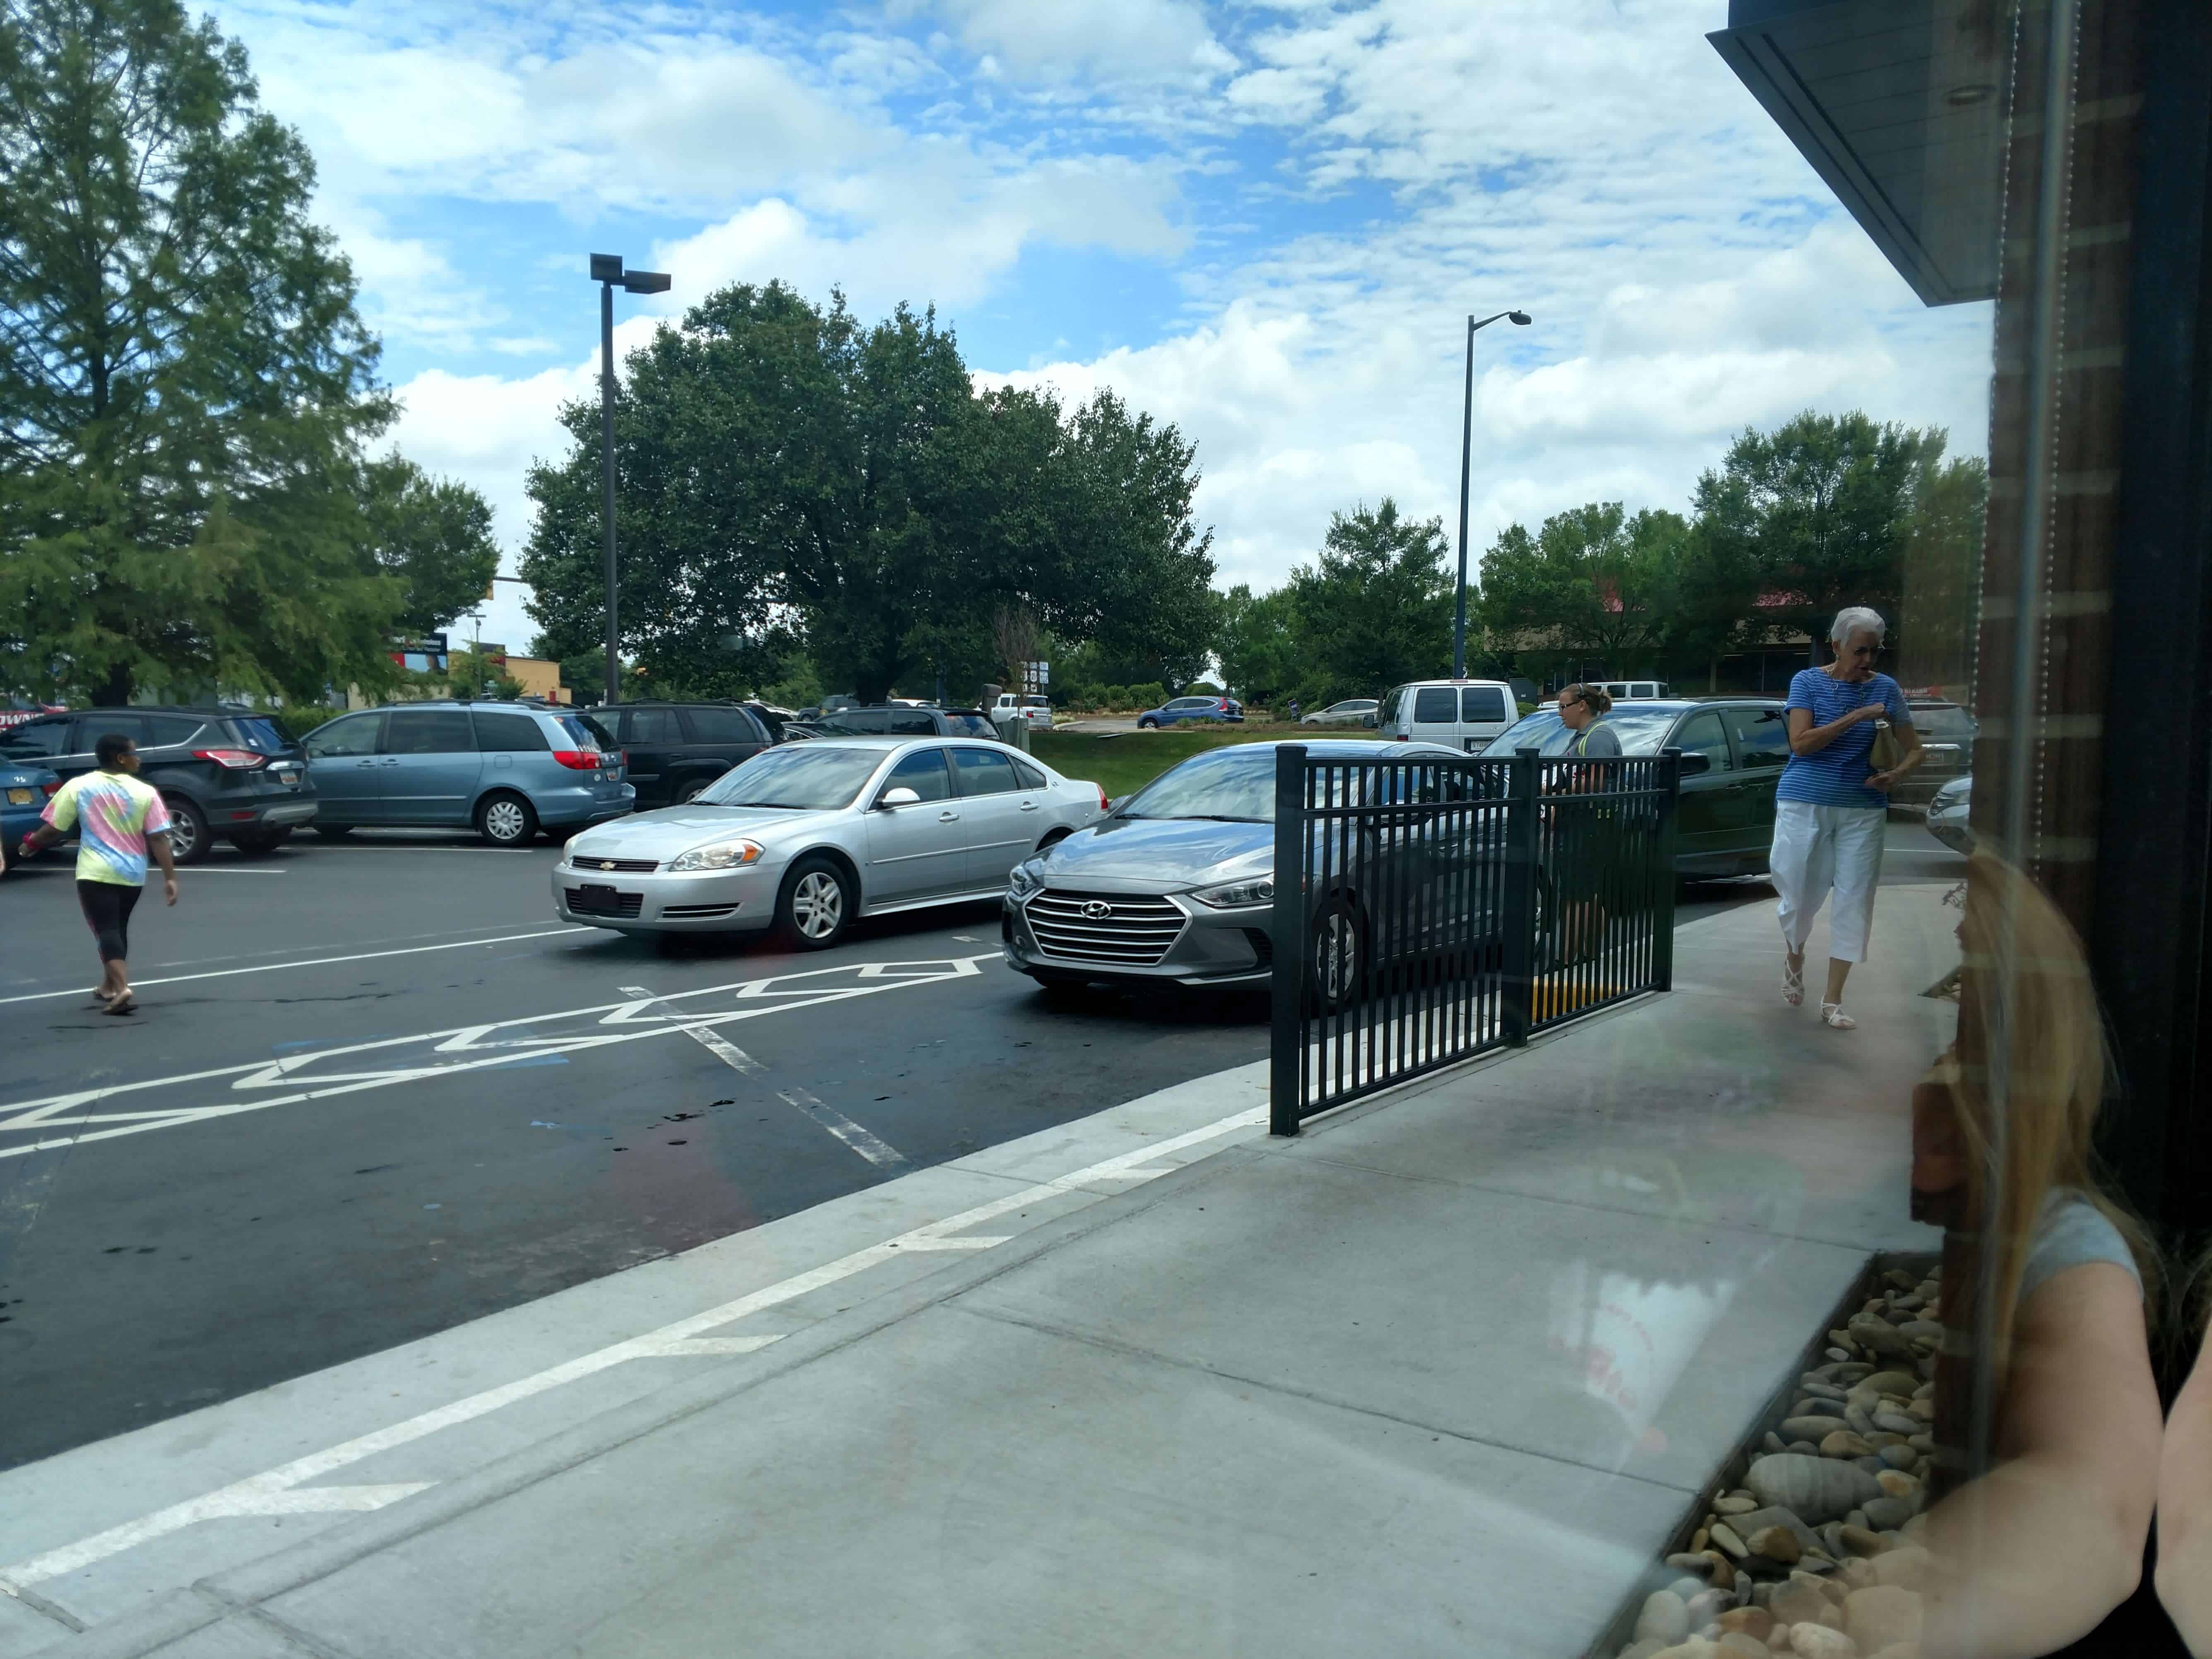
[119,821]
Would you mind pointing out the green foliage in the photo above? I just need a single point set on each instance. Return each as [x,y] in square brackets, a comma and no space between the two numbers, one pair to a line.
[1150,695]
[1593,581]
[779,458]
[1376,609]
[186,382]
[471,675]
[1258,646]
[432,535]
[1942,608]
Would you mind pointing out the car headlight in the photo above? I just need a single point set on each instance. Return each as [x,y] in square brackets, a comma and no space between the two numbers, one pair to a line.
[719,855]
[1238,895]
[1027,879]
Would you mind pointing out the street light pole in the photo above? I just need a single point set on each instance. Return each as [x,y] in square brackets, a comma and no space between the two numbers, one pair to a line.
[606,271]
[1466,457]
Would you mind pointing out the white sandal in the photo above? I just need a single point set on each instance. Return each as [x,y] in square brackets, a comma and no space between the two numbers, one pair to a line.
[1831,1013]
[1793,984]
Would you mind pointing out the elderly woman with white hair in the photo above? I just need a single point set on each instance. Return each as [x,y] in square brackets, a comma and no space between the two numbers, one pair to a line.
[1831,803]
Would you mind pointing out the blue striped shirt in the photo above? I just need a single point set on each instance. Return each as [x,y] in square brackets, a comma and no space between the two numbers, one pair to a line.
[1836,775]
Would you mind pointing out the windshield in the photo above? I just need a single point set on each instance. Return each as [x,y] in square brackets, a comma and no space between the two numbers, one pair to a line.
[970,723]
[588,732]
[1943,722]
[1640,731]
[1237,784]
[812,778]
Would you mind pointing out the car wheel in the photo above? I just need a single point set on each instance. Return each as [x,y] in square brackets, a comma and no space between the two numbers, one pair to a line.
[261,840]
[1052,840]
[815,906]
[189,836]
[334,831]
[688,792]
[506,820]
[1148,724]
[1338,956]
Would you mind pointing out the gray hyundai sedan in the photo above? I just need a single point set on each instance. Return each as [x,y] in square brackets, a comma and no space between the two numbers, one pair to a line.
[804,837]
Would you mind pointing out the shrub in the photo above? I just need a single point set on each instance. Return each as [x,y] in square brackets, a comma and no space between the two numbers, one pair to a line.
[1200,688]
[1150,695]
[1113,696]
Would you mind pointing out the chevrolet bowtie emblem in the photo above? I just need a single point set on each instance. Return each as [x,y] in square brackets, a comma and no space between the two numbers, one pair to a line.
[606,864]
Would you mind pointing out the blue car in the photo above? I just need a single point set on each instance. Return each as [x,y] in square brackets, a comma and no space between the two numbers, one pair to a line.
[510,769]
[24,792]
[1177,709]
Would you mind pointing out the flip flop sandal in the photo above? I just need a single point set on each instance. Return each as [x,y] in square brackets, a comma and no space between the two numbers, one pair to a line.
[1832,1014]
[1793,985]
[124,1004]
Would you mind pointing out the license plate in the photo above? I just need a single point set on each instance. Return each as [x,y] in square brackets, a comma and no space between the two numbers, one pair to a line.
[290,780]
[19,797]
[591,896]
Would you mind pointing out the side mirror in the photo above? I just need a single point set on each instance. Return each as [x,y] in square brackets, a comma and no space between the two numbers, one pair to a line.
[1694,764]
[903,796]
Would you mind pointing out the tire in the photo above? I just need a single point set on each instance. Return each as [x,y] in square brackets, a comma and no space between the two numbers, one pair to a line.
[257,841]
[1337,953]
[506,819]
[334,831]
[687,792]
[816,905]
[1148,726]
[1052,840]
[190,838]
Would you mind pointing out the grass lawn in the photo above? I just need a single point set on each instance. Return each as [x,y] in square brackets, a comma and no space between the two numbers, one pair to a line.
[1120,763]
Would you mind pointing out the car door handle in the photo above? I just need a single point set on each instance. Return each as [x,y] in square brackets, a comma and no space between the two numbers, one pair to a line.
[1029,807]
[948,818]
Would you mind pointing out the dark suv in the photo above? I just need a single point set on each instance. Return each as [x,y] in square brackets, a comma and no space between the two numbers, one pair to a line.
[223,774]
[899,719]
[677,748]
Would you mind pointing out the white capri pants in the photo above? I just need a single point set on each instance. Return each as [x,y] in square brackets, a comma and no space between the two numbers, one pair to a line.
[1820,850]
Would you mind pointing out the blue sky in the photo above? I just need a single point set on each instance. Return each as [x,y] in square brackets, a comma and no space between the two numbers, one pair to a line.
[1263,221]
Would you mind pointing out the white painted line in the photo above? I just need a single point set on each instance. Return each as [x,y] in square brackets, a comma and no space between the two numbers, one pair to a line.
[315,962]
[255,1494]
[876,1152]
[191,870]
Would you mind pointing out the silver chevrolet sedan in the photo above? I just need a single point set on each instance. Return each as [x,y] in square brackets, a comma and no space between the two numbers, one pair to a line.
[804,837]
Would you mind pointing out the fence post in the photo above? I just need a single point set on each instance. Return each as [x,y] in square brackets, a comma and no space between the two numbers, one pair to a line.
[1517,986]
[1286,931]
[1662,912]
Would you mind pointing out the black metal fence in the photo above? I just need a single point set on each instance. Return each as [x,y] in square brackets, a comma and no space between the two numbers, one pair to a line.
[1428,908]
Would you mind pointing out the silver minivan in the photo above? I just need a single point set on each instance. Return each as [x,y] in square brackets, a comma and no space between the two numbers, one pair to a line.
[511,769]
[1462,714]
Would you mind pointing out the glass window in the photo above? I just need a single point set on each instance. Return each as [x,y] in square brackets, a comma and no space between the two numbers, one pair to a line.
[985,772]
[36,738]
[1435,705]
[587,732]
[967,723]
[908,722]
[263,737]
[1701,734]
[1237,785]
[923,772]
[165,731]
[428,732]
[1638,729]
[1762,735]
[857,722]
[722,726]
[503,734]
[352,734]
[812,777]
[1943,722]
[1030,777]
[98,723]
[651,726]
[1486,704]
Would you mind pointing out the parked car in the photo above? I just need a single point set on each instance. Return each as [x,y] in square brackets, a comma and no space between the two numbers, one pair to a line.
[770,716]
[1724,825]
[1353,711]
[896,720]
[222,773]
[1176,885]
[25,789]
[1176,710]
[1029,706]
[510,769]
[1635,690]
[1461,715]
[1947,813]
[1947,733]
[672,750]
[804,837]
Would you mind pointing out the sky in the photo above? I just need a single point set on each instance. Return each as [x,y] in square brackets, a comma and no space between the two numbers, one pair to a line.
[1265,222]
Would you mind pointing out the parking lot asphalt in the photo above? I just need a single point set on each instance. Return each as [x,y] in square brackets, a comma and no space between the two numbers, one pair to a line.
[375,1089]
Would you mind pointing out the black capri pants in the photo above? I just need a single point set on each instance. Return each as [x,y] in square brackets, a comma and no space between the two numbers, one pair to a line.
[107,908]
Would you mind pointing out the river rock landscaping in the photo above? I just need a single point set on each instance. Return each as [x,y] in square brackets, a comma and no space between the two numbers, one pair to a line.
[1815,1551]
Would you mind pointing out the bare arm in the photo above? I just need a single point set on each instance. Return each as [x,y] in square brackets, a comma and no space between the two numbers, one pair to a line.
[2037,1552]
[1806,738]
[1915,752]
[2185,1509]
[158,845]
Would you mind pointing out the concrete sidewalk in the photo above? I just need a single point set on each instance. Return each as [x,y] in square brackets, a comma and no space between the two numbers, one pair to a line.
[1437,1376]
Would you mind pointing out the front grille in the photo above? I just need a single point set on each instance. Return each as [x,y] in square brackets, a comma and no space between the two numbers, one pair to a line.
[697,910]
[602,901]
[1135,931]
[630,866]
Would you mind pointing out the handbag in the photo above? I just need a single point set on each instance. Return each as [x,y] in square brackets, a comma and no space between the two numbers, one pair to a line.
[1887,752]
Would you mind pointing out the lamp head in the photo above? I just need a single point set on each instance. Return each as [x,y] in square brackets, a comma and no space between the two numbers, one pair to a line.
[607,268]
[1519,317]
[646,282]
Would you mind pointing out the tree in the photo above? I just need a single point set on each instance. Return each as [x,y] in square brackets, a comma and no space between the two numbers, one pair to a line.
[433,536]
[185,384]
[1258,646]
[780,463]
[1375,608]
[1941,610]
[1820,508]
[1593,581]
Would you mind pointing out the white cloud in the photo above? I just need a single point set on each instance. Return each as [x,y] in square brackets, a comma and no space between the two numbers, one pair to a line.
[1105,39]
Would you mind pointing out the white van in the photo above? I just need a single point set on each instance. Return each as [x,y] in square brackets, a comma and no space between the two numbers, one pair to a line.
[1030,708]
[1635,690]
[1461,713]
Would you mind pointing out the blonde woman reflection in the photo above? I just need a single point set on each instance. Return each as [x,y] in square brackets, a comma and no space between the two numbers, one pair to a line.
[2184,1490]
[2036,1551]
